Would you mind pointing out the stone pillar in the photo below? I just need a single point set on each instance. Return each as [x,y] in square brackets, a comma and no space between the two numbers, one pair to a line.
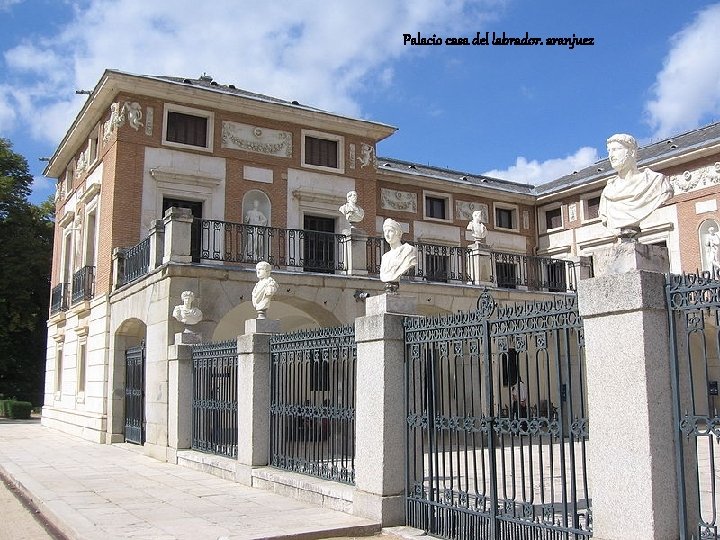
[178,229]
[157,244]
[179,398]
[254,396]
[118,260]
[380,453]
[631,456]
[356,252]
[480,265]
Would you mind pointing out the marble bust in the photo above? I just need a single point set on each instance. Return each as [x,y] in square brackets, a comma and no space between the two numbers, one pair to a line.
[352,212]
[400,258]
[633,194]
[476,225]
[264,289]
[185,313]
[712,244]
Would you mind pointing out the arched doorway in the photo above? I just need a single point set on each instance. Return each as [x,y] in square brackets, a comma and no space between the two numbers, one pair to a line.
[129,381]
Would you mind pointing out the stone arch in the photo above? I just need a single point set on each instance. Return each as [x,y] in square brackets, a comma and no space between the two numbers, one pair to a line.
[258,201]
[130,333]
[293,314]
[703,236]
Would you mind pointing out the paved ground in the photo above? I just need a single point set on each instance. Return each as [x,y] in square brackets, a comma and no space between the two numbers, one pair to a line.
[93,491]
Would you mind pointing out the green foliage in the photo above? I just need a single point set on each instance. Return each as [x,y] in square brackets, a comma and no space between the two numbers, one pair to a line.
[4,408]
[19,409]
[26,238]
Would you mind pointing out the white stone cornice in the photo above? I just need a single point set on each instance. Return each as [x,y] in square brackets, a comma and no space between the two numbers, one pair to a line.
[310,196]
[67,219]
[172,176]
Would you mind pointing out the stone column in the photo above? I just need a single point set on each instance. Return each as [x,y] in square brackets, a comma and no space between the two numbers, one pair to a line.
[631,448]
[157,244]
[178,229]
[356,252]
[380,453]
[254,396]
[118,260]
[480,265]
[179,398]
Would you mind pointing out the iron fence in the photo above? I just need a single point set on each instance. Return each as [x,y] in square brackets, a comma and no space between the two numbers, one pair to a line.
[497,423]
[214,398]
[535,273]
[59,298]
[83,284]
[314,251]
[694,320]
[134,262]
[312,402]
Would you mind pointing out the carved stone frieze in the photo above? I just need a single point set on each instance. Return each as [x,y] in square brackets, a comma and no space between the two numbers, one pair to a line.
[464,210]
[401,201]
[696,179]
[367,156]
[134,114]
[271,142]
[352,156]
[149,117]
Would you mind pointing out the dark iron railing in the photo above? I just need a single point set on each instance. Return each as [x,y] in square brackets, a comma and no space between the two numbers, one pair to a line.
[314,251]
[312,402]
[434,262]
[215,399]
[497,422]
[59,298]
[83,284]
[535,273]
[134,262]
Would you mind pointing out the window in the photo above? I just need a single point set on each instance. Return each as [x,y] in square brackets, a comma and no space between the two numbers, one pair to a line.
[58,372]
[592,207]
[553,218]
[184,126]
[81,367]
[435,207]
[187,129]
[504,218]
[319,244]
[321,152]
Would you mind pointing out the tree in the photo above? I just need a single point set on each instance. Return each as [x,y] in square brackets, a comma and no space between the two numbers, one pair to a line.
[26,238]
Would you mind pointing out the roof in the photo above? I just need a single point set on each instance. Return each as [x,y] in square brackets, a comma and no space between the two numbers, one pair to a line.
[456,177]
[664,149]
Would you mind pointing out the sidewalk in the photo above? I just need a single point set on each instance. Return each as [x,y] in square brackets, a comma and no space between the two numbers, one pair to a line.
[94,491]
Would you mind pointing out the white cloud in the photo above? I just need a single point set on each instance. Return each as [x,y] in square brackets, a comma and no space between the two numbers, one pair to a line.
[5,5]
[687,89]
[281,48]
[535,172]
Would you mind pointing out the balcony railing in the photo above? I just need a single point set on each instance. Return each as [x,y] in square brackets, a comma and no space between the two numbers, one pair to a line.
[314,251]
[535,273]
[438,263]
[134,262]
[83,284]
[59,298]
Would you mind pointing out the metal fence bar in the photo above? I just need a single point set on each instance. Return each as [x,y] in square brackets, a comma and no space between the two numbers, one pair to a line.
[58,298]
[83,284]
[312,402]
[315,251]
[214,398]
[135,262]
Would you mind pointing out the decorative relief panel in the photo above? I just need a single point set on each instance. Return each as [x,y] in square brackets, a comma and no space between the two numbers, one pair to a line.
[271,142]
[464,210]
[149,117]
[697,179]
[398,200]
[572,212]
[526,219]
[367,156]
[352,156]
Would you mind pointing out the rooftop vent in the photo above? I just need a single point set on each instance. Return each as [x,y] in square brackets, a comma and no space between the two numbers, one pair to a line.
[412,167]
[213,83]
[463,178]
[187,81]
[295,102]
[386,165]
[231,86]
[205,77]
[599,169]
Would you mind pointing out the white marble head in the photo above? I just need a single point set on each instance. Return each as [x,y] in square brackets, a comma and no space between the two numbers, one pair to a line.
[392,231]
[187,297]
[262,269]
[622,151]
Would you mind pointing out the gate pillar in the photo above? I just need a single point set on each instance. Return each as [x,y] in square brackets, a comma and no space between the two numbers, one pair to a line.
[380,451]
[631,450]
[254,396]
[179,398]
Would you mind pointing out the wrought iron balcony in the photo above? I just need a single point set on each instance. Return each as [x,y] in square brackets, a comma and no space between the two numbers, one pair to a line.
[134,262]
[83,284]
[535,273]
[58,298]
[314,251]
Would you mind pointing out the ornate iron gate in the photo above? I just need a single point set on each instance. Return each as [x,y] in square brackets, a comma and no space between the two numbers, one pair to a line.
[135,395]
[496,422]
[694,317]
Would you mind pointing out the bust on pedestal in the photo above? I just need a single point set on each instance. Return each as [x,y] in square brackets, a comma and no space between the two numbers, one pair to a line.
[188,315]
[400,258]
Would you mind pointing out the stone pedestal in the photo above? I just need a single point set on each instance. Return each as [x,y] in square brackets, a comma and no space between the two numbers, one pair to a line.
[356,251]
[178,229]
[179,398]
[479,264]
[631,449]
[254,396]
[628,255]
[380,452]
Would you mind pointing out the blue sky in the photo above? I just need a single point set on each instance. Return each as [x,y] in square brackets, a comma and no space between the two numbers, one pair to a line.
[523,113]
